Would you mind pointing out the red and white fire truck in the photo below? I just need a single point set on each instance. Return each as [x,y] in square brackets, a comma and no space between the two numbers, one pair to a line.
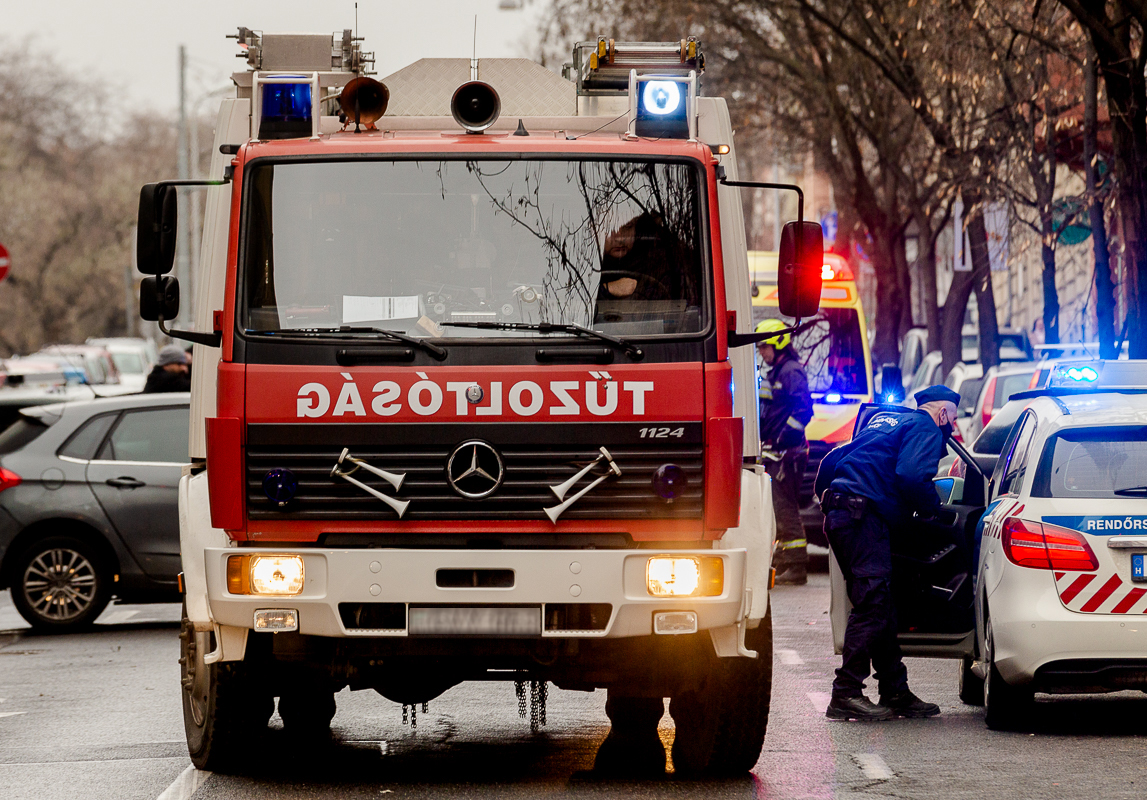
[470,402]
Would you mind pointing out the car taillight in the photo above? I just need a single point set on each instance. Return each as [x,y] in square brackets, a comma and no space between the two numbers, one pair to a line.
[8,479]
[989,402]
[1039,546]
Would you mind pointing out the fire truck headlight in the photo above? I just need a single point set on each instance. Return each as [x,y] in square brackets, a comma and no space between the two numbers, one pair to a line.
[279,575]
[661,97]
[685,576]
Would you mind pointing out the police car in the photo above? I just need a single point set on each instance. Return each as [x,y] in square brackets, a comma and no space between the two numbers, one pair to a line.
[1045,589]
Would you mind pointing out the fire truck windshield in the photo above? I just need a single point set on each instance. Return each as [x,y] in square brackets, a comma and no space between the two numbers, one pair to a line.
[414,245]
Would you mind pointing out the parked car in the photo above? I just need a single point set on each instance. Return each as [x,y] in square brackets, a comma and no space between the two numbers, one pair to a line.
[132,357]
[26,382]
[96,362]
[1000,383]
[88,506]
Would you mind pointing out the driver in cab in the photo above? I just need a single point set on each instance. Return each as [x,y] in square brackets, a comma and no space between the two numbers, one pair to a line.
[641,261]
[866,487]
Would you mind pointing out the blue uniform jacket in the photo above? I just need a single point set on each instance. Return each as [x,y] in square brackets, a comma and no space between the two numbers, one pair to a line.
[892,463]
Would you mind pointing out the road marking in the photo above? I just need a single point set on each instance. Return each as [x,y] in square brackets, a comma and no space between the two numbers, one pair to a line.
[873,766]
[12,713]
[116,617]
[820,700]
[185,785]
[789,657]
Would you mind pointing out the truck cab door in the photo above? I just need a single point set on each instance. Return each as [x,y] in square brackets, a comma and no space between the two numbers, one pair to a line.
[932,570]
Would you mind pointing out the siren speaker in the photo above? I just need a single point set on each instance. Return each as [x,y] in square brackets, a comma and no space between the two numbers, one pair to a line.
[363,101]
[475,106]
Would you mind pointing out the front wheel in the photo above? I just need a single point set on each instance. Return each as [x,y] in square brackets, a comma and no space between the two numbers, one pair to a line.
[223,708]
[61,584]
[1005,706]
[721,727]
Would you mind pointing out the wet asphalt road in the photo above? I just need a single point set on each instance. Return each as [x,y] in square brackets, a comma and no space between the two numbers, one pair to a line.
[97,715]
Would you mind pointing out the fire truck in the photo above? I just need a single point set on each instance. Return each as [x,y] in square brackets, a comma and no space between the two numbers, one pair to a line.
[474,393]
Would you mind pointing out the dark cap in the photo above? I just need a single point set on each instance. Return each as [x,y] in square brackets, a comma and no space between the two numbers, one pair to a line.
[935,393]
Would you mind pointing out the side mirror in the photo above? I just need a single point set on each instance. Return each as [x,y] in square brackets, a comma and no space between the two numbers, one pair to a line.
[799,267]
[158,297]
[155,239]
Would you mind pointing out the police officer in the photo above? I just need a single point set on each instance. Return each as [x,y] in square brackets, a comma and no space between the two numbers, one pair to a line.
[868,486]
[786,408]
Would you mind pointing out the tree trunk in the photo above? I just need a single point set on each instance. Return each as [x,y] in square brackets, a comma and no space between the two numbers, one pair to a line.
[1104,291]
[952,320]
[889,299]
[1050,293]
[982,280]
[1127,107]
[926,268]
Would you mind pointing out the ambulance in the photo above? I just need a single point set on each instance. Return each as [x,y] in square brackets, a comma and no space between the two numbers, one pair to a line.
[836,356]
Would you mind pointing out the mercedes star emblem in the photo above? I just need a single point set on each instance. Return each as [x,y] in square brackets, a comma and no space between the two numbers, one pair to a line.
[475,469]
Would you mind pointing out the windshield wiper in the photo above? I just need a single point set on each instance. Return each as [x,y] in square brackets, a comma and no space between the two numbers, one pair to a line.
[437,352]
[630,349]
[1132,490]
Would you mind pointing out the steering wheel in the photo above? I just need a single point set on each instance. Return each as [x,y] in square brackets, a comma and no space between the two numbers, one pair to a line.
[616,274]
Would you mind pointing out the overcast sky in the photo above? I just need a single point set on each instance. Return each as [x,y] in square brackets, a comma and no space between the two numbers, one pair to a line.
[133,44]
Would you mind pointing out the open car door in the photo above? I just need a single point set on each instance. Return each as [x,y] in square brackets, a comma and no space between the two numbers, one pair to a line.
[932,565]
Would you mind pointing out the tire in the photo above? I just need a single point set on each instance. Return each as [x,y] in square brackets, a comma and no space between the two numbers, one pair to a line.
[224,709]
[971,687]
[307,710]
[721,727]
[1006,707]
[60,584]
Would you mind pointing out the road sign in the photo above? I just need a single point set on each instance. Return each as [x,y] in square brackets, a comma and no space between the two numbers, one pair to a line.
[828,226]
[5,262]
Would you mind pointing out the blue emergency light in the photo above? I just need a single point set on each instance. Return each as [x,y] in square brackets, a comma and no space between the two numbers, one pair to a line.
[286,109]
[663,106]
[286,106]
[1085,374]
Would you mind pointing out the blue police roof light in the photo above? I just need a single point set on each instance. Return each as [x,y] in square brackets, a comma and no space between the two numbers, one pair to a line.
[1085,374]
[661,97]
[833,397]
[286,108]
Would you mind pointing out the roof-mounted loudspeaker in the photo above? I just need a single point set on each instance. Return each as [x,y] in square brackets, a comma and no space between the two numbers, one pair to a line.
[475,106]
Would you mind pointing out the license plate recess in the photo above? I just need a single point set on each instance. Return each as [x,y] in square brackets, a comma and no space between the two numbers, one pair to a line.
[474,621]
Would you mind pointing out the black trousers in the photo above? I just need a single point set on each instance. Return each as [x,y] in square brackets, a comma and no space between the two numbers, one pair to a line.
[787,475]
[863,550]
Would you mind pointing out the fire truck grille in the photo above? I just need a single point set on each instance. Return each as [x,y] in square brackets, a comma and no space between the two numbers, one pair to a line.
[524,493]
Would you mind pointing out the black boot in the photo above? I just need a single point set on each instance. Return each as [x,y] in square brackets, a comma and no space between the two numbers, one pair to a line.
[859,708]
[906,704]
[792,574]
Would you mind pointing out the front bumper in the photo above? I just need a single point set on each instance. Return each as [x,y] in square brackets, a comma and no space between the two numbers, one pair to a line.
[541,577]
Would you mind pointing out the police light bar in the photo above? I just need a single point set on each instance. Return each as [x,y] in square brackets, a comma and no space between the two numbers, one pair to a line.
[1099,375]
[663,106]
[285,106]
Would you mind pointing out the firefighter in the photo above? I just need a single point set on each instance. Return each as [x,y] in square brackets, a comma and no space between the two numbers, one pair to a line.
[868,486]
[786,408]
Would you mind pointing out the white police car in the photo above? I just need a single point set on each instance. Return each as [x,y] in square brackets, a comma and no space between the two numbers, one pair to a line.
[1057,602]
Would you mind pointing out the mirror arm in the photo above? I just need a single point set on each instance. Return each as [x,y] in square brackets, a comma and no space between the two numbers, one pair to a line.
[213,339]
[791,187]
[742,339]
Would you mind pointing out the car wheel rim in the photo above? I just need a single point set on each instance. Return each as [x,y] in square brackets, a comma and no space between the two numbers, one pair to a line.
[60,584]
[195,672]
